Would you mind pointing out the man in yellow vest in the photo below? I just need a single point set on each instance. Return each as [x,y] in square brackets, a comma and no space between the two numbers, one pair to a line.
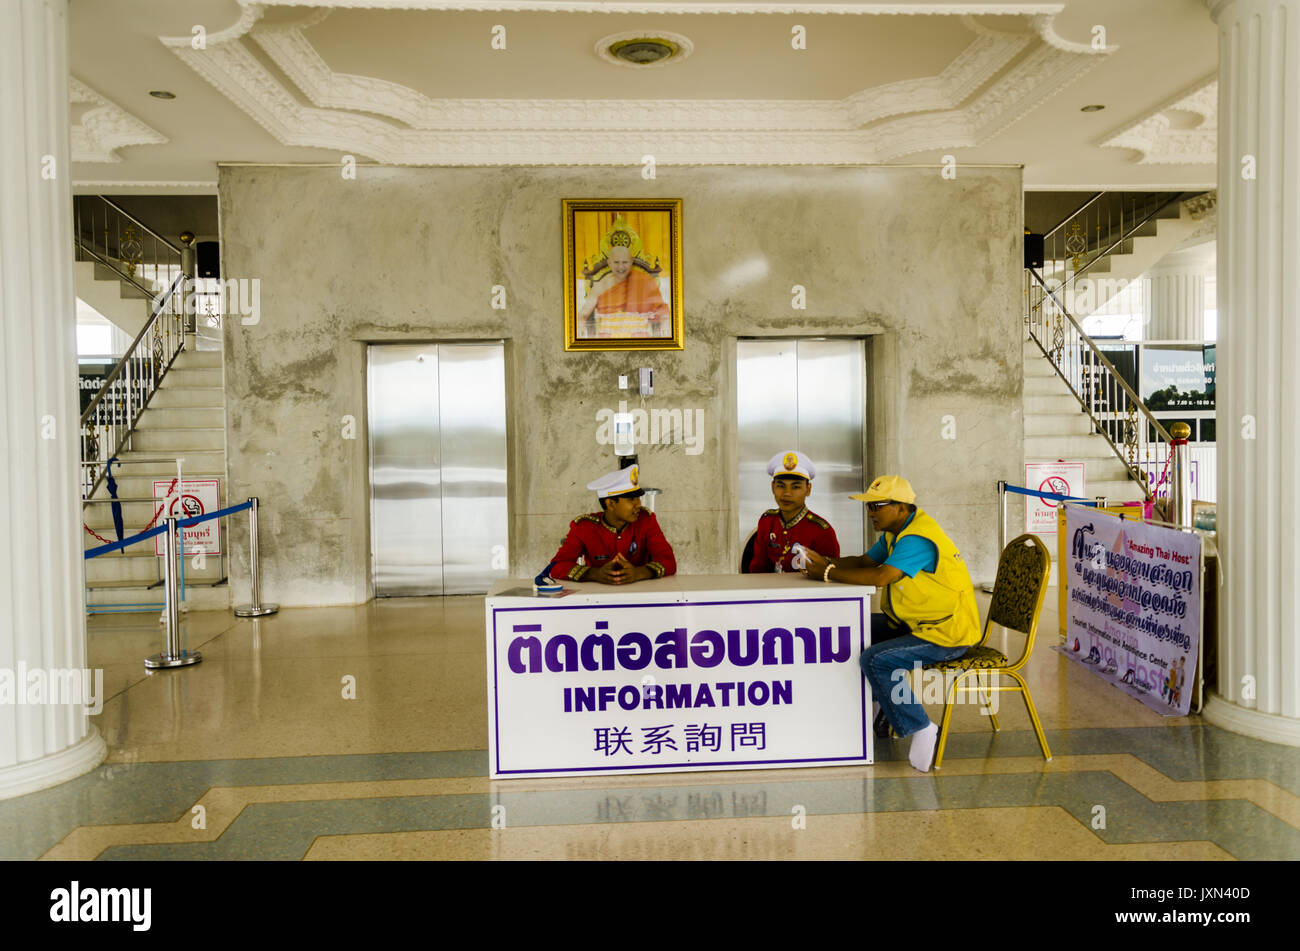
[928,600]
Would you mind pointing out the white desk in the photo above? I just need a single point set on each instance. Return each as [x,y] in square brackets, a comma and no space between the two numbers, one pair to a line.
[689,672]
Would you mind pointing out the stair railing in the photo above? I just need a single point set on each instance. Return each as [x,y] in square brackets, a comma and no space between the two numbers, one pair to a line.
[1115,409]
[112,415]
[1097,228]
[106,233]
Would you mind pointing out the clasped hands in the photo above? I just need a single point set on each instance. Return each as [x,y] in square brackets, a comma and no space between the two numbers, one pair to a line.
[618,570]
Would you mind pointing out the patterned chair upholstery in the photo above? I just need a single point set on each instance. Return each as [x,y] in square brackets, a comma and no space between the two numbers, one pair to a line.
[1018,594]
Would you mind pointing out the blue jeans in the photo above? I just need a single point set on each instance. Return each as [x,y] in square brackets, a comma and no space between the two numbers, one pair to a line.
[886,664]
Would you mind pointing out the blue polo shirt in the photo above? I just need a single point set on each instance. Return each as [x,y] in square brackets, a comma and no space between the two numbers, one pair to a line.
[911,555]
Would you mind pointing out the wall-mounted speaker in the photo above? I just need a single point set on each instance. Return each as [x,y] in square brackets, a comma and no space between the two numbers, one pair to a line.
[1033,250]
[207,260]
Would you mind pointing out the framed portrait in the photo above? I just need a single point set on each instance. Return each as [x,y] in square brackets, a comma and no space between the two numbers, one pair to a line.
[623,274]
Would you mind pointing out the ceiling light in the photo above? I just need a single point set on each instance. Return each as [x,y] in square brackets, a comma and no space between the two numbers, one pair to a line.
[162,94]
[1092,108]
[643,52]
[639,50]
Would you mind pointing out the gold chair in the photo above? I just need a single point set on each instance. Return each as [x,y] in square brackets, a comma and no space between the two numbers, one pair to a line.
[1018,593]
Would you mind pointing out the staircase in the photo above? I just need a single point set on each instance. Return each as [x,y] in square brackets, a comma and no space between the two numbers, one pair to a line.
[1123,236]
[184,420]
[1057,429]
[1076,407]
[123,303]
[170,369]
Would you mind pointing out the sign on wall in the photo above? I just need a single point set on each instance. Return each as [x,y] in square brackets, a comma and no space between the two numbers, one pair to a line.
[185,499]
[1178,377]
[1059,478]
[644,687]
[1134,606]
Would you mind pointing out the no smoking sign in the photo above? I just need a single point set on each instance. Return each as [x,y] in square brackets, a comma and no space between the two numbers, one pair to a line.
[187,499]
[1058,478]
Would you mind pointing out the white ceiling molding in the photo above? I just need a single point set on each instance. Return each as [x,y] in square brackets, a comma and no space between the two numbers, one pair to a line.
[686,7]
[293,53]
[144,187]
[343,115]
[1200,206]
[1030,83]
[1158,143]
[972,68]
[105,127]
[1044,24]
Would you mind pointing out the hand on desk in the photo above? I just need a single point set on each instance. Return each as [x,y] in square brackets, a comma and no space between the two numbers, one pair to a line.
[815,566]
[618,570]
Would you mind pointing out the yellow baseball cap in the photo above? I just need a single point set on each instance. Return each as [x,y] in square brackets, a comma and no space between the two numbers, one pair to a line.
[890,488]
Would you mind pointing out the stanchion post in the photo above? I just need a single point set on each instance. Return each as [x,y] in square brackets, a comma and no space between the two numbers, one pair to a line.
[987,587]
[1002,516]
[256,608]
[1180,476]
[171,654]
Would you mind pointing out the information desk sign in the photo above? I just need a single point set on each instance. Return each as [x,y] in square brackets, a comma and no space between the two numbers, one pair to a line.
[677,674]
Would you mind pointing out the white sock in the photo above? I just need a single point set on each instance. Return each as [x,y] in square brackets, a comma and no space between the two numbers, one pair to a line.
[924,740]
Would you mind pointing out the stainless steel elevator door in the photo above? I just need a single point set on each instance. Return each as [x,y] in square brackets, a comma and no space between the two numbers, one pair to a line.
[437,468]
[472,397]
[808,395]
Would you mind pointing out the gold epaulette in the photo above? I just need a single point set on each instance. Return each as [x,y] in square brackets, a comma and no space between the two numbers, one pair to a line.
[771,512]
[818,520]
[590,517]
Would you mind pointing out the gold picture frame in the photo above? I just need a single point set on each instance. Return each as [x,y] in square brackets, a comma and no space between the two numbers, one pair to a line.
[623,274]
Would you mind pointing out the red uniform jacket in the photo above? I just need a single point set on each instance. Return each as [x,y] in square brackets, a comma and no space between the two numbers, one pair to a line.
[775,539]
[641,542]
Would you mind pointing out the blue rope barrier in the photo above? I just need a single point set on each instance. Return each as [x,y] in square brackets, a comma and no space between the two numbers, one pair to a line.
[1049,495]
[195,519]
[105,549]
[182,523]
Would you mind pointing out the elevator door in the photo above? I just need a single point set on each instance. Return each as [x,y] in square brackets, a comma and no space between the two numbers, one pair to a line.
[437,468]
[808,395]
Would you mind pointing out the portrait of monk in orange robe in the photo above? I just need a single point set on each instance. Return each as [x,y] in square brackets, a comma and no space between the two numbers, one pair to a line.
[626,302]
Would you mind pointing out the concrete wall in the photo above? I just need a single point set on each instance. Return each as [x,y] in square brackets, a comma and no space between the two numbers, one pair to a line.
[927,268]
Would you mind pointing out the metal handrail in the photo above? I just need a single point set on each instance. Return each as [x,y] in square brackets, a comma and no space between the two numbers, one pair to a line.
[157,309]
[1074,214]
[120,274]
[126,214]
[130,386]
[1124,236]
[1101,357]
[1110,401]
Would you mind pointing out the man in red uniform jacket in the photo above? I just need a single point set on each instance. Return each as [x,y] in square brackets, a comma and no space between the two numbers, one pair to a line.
[790,522]
[619,545]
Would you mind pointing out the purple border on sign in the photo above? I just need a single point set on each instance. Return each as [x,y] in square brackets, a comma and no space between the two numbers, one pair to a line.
[660,767]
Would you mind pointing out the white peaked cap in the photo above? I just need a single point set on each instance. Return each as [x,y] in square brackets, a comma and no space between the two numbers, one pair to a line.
[791,463]
[621,482]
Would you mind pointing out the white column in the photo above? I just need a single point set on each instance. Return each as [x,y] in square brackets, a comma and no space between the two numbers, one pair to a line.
[1258,384]
[1176,304]
[42,612]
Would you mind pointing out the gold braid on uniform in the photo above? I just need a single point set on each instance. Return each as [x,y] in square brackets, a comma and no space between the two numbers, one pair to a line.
[577,571]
